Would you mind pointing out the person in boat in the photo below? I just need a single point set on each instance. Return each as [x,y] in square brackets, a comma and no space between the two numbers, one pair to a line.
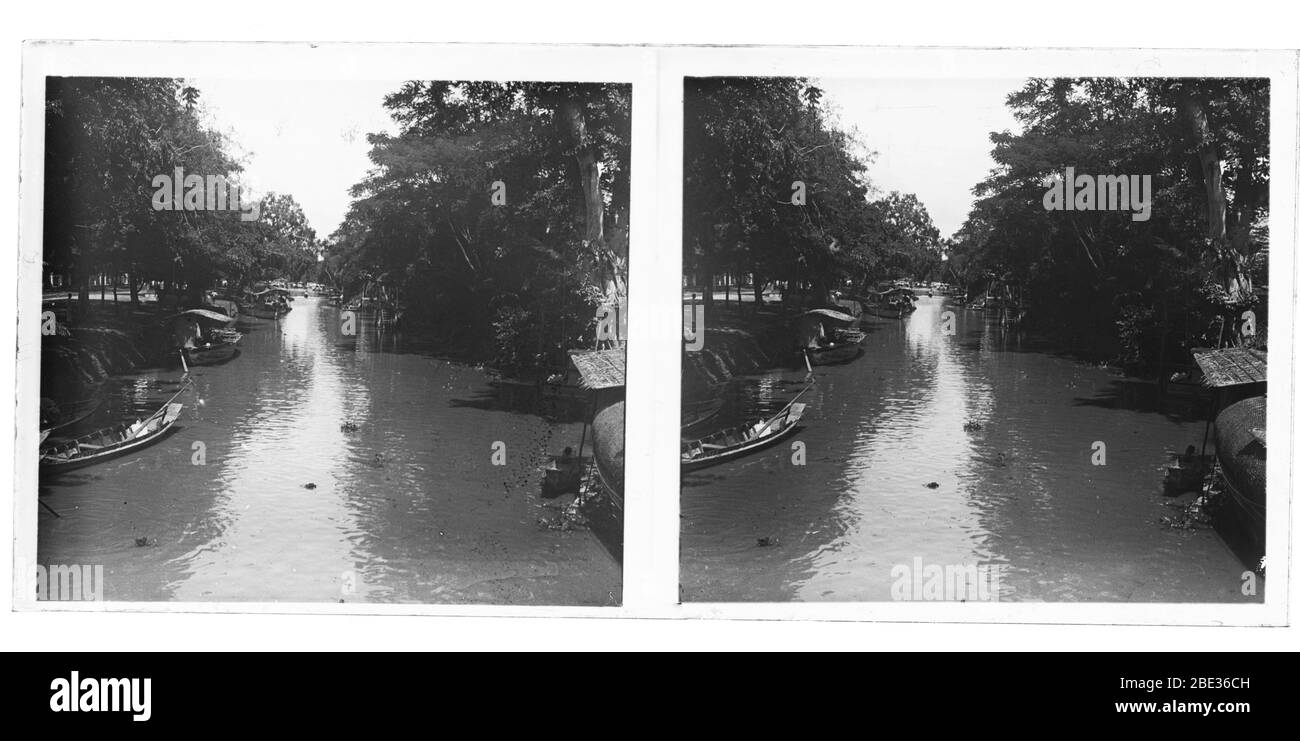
[810,334]
[185,332]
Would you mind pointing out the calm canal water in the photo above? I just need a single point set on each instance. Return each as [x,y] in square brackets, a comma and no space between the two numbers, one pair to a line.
[1007,434]
[408,508]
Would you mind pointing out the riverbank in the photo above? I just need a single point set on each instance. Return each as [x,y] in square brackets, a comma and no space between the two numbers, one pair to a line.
[105,340]
[738,341]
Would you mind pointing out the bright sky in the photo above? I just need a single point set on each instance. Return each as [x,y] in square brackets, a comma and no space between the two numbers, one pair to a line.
[931,137]
[306,138]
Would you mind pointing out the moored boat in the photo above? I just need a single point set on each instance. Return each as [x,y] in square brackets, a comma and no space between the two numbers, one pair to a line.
[733,443]
[270,303]
[203,337]
[889,303]
[823,337]
[109,442]
[270,310]
[1241,450]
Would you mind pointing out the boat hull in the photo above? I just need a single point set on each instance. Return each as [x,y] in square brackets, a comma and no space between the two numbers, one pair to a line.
[212,354]
[158,428]
[845,353]
[789,426]
[1240,511]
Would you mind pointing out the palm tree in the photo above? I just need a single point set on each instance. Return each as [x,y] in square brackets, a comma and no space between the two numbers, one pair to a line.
[190,95]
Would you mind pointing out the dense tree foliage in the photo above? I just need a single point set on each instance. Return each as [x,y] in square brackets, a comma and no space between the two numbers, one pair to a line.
[775,190]
[1144,290]
[106,140]
[498,213]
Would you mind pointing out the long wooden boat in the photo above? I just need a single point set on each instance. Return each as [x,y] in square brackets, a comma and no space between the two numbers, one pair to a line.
[734,443]
[110,442]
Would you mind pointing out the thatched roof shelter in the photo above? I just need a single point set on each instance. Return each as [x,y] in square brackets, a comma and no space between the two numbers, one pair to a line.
[1232,366]
[600,369]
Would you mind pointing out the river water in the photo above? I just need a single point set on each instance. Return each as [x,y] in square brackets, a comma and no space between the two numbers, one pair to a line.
[1007,431]
[261,495]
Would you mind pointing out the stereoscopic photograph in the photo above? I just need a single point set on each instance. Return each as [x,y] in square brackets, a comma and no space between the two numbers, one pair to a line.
[974,340]
[333,341]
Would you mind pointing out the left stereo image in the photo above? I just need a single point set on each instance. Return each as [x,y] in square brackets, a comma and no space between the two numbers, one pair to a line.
[332,341]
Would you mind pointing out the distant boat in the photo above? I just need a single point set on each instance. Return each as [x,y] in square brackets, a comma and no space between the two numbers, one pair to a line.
[734,443]
[270,303]
[891,303]
[109,442]
[268,310]
[888,311]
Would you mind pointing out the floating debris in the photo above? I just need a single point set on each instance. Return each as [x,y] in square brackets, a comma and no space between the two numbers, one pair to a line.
[932,485]
[349,426]
[768,542]
[972,426]
[309,486]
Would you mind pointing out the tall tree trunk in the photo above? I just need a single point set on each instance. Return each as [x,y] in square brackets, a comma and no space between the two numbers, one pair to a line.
[1231,256]
[588,166]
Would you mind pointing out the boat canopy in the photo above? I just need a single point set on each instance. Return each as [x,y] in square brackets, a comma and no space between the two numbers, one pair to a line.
[270,292]
[831,314]
[206,315]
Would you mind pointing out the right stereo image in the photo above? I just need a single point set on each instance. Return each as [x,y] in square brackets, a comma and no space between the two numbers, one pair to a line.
[974,339]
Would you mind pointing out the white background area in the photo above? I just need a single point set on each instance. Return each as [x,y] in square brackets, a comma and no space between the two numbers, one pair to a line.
[650,617]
